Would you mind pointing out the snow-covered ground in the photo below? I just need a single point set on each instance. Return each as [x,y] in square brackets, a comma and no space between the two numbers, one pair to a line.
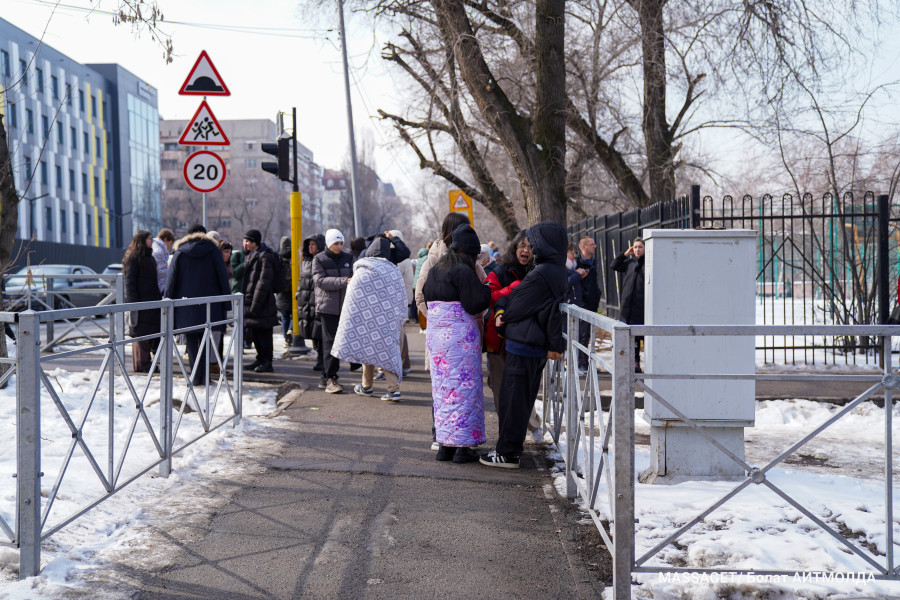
[133,528]
[839,477]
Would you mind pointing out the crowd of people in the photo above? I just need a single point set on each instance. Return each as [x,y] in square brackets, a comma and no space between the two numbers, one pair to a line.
[468,298]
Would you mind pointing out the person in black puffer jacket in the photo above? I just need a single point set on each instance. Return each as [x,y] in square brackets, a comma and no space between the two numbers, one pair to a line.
[530,320]
[307,320]
[142,285]
[260,312]
[283,301]
[197,269]
[631,307]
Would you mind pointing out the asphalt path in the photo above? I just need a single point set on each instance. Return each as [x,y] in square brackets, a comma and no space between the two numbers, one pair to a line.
[356,506]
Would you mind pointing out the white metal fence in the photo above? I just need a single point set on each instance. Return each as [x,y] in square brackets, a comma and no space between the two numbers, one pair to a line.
[96,440]
[598,448]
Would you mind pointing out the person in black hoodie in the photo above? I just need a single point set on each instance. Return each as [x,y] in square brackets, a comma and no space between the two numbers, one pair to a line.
[142,285]
[260,311]
[530,320]
[307,320]
[631,307]
[197,269]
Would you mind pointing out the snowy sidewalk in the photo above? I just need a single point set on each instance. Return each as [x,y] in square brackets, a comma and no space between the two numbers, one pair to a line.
[352,504]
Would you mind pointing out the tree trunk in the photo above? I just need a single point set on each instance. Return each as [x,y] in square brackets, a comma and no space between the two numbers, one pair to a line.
[9,218]
[550,112]
[657,134]
[537,167]
[9,202]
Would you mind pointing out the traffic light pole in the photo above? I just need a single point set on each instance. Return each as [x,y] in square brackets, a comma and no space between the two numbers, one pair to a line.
[298,345]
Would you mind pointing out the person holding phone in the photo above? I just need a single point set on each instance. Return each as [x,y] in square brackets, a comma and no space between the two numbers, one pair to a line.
[631,305]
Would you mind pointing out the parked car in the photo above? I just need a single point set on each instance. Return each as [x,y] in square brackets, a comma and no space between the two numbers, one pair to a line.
[113,269]
[78,291]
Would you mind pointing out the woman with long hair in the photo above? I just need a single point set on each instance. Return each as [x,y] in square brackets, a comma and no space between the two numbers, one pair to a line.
[455,299]
[141,285]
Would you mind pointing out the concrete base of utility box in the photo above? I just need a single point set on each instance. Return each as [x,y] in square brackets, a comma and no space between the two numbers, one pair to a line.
[678,453]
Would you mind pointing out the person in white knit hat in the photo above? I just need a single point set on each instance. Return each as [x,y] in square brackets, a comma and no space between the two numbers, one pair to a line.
[332,270]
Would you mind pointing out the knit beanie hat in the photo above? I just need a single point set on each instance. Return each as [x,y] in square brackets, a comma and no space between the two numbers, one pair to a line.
[465,240]
[332,236]
[254,236]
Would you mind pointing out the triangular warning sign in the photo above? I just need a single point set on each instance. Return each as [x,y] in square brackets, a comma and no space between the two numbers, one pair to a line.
[204,79]
[461,202]
[204,129]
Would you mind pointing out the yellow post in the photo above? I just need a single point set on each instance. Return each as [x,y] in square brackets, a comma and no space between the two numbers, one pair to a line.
[296,241]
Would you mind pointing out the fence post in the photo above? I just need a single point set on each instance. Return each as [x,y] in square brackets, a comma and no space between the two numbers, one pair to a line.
[28,444]
[571,403]
[166,349]
[884,291]
[50,299]
[695,206]
[238,360]
[119,316]
[622,415]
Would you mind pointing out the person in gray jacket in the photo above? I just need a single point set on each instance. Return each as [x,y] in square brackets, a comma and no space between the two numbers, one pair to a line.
[331,274]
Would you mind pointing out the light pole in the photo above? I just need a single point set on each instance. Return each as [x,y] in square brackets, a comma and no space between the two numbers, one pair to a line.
[354,192]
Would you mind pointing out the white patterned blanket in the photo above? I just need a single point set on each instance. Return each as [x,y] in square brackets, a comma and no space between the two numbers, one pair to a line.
[372,317]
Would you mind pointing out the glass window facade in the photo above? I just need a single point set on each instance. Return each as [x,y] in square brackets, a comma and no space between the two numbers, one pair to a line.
[144,152]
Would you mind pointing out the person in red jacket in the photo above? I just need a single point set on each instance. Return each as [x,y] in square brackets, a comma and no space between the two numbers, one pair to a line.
[509,272]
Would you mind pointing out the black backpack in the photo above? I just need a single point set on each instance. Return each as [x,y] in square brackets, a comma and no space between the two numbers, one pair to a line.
[279,285]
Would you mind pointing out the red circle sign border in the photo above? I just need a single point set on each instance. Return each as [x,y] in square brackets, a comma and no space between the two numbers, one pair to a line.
[187,179]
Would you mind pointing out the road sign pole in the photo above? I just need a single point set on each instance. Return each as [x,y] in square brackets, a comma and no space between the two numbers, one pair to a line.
[204,211]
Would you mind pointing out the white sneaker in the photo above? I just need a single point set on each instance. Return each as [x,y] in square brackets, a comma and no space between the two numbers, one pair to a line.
[435,446]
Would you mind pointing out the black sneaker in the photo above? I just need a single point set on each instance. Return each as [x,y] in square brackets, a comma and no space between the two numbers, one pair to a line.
[465,455]
[265,367]
[504,461]
[445,453]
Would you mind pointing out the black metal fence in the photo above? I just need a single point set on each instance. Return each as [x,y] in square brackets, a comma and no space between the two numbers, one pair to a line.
[820,260]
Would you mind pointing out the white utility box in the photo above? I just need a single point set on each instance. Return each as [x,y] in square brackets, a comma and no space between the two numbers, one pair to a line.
[699,277]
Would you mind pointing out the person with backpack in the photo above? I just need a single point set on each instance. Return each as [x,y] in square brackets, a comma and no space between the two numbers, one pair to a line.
[284,301]
[530,320]
[263,277]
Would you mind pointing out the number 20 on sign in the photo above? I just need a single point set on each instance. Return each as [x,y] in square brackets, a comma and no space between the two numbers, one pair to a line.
[204,171]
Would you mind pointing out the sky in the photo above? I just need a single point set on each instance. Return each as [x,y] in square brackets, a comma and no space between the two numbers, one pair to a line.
[270,58]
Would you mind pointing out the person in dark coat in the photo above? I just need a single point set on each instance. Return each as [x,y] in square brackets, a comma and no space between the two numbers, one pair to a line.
[307,320]
[530,320]
[142,285]
[283,301]
[238,263]
[586,266]
[197,269]
[332,270]
[260,311]
[631,305]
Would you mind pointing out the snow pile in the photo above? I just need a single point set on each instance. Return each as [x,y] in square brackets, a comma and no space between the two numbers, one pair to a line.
[137,525]
[759,530]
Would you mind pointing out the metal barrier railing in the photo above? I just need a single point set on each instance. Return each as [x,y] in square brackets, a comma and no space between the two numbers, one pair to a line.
[605,479]
[40,292]
[115,393]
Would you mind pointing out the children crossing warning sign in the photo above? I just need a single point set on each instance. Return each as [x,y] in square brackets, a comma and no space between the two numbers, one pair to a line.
[204,129]
[204,79]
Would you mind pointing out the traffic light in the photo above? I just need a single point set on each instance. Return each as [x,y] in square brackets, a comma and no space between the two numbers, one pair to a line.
[282,151]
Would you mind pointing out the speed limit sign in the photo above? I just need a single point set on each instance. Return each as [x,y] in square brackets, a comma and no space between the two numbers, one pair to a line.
[204,171]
